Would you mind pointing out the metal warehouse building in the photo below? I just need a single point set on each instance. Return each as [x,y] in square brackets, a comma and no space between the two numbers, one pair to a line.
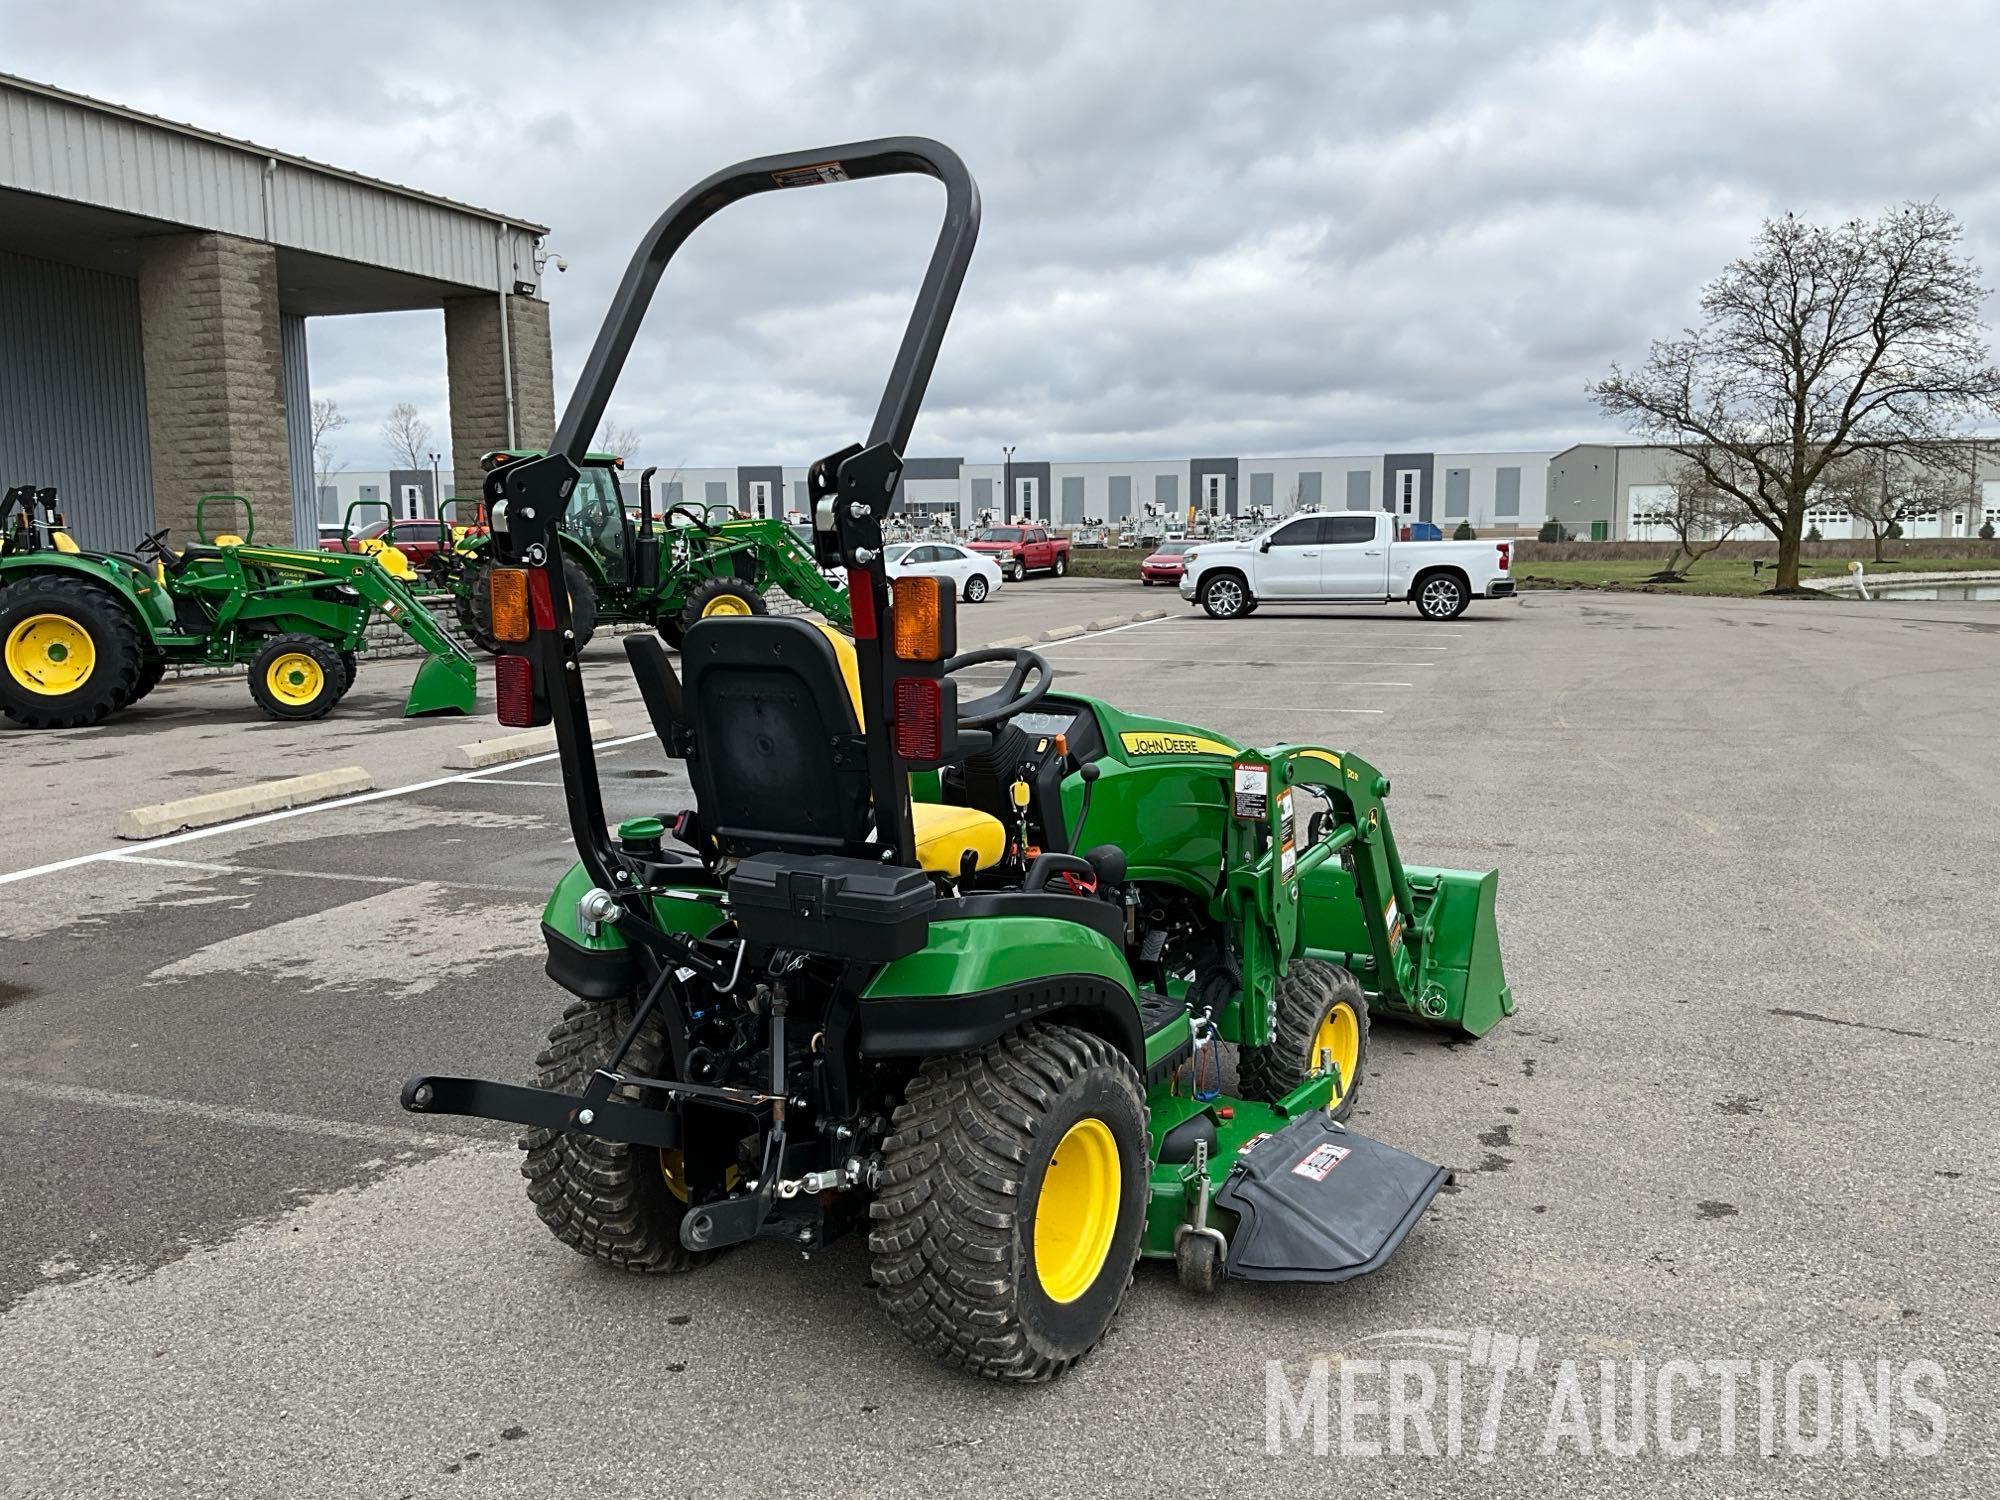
[155,281]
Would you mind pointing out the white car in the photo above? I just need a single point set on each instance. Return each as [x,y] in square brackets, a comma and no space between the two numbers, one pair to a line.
[974,578]
[1344,559]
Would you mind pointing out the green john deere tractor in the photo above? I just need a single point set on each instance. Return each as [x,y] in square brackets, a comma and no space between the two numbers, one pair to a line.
[961,975]
[86,634]
[666,571]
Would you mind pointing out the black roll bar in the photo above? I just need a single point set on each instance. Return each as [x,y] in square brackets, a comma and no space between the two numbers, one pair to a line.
[536,490]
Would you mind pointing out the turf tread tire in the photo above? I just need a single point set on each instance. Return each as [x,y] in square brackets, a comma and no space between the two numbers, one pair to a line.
[605,1199]
[951,1220]
[716,588]
[1304,995]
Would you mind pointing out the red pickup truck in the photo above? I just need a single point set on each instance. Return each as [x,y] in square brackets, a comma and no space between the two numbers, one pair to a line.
[1021,550]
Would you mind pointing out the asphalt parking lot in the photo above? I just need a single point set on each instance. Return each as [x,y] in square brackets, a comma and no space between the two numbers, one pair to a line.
[1748,857]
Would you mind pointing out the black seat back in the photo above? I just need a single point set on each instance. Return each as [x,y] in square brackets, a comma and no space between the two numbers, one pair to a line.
[776,757]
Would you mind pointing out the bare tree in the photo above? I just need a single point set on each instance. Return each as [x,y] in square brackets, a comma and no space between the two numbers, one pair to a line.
[1702,516]
[326,421]
[619,438]
[406,436]
[1821,344]
[1884,491]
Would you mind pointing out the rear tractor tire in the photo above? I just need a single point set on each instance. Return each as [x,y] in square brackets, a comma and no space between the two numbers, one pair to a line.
[1012,1195]
[297,677]
[1320,1008]
[722,598]
[151,672]
[70,652]
[615,1202]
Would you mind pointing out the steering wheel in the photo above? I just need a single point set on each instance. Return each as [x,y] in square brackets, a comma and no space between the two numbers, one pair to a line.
[1013,696]
[156,542]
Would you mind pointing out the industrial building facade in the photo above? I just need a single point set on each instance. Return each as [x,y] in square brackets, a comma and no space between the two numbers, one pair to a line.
[155,281]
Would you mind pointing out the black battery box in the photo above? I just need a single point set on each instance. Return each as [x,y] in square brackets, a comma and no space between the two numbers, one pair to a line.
[830,904]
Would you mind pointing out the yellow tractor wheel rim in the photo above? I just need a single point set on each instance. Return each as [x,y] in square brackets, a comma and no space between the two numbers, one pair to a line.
[725,604]
[1078,1210]
[295,679]
[50,654]
[1339,1035]
[673,1168]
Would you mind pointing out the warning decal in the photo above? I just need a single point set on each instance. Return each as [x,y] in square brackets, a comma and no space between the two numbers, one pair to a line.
[1253,787]
[1319,1161]
[826,171]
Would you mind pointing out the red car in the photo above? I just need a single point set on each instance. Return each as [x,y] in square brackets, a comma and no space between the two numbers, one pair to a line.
[1164,566]
[1021,550]
[416,540]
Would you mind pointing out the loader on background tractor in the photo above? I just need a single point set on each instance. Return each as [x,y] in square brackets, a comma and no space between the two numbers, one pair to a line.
[686,567]
[86,634]
[960,974]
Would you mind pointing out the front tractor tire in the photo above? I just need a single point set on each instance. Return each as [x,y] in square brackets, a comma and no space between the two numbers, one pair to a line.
[297,677]
[1012,1195]
[1320,1008]
[475,606]
[722,598]
[615,1202]
[1225,596]
[70,652]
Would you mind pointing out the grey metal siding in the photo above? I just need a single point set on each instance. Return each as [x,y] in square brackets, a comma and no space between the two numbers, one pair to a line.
[1308,489]
[1359,492]
[676,494]
[717,492]
[982,496]
[298,429]
[1457,493]
[1167,491]
[73,396]
[1120,506]
[1506,492]
[116,159]
[1260,489]
[1072,498]
[799,496]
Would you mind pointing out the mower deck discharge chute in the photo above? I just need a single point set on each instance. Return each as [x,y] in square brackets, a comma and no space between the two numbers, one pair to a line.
[951,960]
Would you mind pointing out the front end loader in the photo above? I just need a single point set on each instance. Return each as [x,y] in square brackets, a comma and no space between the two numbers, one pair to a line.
[949,961]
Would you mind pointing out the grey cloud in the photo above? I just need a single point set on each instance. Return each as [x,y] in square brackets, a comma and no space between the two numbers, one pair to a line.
[1272,229]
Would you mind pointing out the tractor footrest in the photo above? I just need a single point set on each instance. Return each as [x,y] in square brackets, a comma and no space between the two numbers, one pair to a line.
[1316,1202]
[610,1120]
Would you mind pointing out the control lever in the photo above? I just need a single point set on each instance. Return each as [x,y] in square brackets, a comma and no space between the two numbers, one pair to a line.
[1089,773]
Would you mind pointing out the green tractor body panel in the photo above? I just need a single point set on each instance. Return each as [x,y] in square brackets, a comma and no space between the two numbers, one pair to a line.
[969,955]
[1171,1190]
[150,604]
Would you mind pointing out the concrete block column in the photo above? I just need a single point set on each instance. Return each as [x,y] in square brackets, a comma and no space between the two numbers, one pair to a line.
[474,366]
[215,379]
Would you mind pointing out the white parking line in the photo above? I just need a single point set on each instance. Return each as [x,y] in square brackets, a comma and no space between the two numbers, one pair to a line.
[291,812]
[226,869]
[508,781]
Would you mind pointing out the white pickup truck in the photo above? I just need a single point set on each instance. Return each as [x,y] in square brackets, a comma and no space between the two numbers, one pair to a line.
[1344,558]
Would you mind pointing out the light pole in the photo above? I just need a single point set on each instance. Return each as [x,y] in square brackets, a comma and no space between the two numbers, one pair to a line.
[1007,482]
[437,495]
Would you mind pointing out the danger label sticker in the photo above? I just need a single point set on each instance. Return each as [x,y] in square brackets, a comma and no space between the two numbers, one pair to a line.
[826,171]
[1253,790]
[1319,1161]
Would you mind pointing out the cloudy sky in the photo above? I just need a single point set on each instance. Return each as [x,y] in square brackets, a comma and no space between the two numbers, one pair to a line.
[1261,229]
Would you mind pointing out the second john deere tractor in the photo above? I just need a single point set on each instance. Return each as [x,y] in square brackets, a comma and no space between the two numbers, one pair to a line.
[666,571]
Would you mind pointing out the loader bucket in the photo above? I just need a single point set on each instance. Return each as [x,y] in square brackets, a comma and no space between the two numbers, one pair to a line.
[1457,981]
[1463,986]
[444,685]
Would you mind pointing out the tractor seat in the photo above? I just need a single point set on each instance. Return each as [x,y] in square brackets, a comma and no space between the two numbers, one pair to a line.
[942,834]
[774,709]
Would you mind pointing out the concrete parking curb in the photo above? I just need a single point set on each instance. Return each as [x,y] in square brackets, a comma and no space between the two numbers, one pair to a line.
[480,754]
[163,818]
[1150,614]
[1012,643]
[1067,632]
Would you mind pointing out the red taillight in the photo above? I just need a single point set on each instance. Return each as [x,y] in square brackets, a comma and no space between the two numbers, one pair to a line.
[514,688]
[1506,551]
[539,602]
[861,604]
[919,718]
